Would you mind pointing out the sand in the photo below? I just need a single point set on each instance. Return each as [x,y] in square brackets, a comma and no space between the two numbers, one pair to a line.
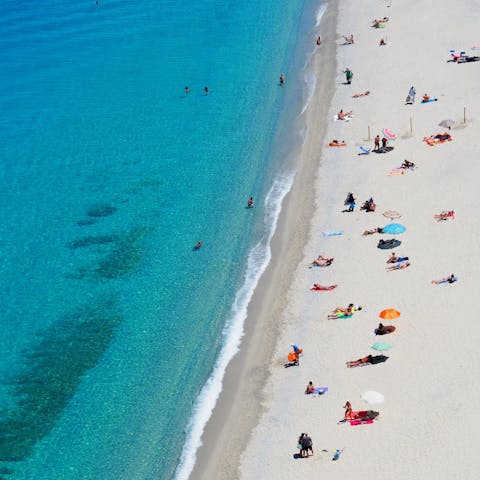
[427,426]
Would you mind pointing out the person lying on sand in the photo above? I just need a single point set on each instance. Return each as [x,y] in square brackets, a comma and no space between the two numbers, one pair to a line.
[442,136]
[394,259]
[340,312]
[322,261]
[407,165]
[309,388]
[451,279]
[317,287]
[343,115]
[398,266]
[445,215]
[348,39]
[364,94]
[376,23]
[360,361]
[374,230]
[336,143]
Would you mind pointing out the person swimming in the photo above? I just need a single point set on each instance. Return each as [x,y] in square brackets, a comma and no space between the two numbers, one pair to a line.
[250,202]
[198,245]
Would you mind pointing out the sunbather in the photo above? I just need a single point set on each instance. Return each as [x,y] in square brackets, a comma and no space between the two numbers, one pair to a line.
[336,143]
[442,136]
[317,287]
[382,42]
[450,279]
[343,115]
[425,98]
[407,165]
[309,388]
[348,39]
[374,230]
[394,259]
[322,261]
[364,94]
[445,215]
[398,266]
[340,312]
[360,361]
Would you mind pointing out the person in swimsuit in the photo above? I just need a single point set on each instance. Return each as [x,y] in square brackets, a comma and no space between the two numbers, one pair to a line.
[360,361]
[356,95]
[309,388]
[348,410]
[282,79]
[197,246]
[250,202]
[377,142]
[451,279]
[399,266]
[393,258]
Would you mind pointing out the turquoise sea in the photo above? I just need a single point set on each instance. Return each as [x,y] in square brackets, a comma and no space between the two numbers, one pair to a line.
[115,333]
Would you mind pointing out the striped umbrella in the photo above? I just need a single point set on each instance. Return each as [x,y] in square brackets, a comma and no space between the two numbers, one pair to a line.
[387,133]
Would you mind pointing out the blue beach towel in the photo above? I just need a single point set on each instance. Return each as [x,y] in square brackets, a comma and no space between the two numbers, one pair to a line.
[331,234]
[365,151]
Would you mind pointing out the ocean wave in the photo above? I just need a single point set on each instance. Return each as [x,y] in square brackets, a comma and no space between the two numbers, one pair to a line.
[320,12]
[258,260]
[310,79]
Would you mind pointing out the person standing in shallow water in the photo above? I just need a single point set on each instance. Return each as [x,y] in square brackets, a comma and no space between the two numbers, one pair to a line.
[282,79]
[250,202]
[187,90]
[206,90]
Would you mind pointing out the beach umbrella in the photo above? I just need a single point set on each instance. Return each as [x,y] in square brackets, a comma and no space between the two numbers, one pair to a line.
[391,214]
[389,314]
[387,133]
[372,397]
[381,346]
[448,123]
[393,228]
[386,244]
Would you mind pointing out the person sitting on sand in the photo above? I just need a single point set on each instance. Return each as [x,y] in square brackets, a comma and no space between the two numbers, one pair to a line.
[425,98]
[407,165]
[393,258]
[348,39]
[373,230]
[322,261]
[360,361]
[310,388]
[343,115]
[348,410]
[364,94]
[369,205]
[398,266]
[450,279]
[383,330]
[382,42]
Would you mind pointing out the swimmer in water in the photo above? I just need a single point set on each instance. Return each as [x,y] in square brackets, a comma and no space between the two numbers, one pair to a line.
[250,202]
[282,79]
[206,90]
[197,246]
[187,90]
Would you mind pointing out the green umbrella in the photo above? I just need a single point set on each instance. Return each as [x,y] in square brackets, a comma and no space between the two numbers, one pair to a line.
[381,346]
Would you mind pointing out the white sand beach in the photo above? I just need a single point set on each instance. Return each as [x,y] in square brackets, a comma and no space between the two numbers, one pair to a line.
[427,427]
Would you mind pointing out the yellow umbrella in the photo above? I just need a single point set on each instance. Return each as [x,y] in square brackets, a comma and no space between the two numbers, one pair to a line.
[389,314]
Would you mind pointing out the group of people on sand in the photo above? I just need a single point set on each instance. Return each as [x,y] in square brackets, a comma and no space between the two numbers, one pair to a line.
[377,140]
[377,23]
[322,261]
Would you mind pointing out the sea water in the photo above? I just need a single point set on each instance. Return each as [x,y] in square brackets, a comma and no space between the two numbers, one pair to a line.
[115,332]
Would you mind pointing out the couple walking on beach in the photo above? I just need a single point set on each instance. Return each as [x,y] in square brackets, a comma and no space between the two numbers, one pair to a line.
[305,445]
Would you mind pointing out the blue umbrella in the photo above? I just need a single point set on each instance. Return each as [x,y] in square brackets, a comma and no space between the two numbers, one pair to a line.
[381,346]
[393,228]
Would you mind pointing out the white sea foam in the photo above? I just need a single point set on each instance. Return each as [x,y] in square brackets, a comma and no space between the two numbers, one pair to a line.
[310,85]
[258,260]
[320,12]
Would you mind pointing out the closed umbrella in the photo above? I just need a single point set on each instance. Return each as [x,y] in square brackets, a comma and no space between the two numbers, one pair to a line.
[448,123]
[387,133]
[389,314]
[393,228]
[372,397]
[381,346]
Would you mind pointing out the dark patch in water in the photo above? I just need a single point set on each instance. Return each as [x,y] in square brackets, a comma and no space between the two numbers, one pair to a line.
[88,221]
[91,240]
[101,211]
[50,374]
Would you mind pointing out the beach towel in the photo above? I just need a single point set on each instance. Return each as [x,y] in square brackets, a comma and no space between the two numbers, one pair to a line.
[432,141]
[332,234]
[397,171]
[332,144]
[430,100]
[320,390]
[365,151]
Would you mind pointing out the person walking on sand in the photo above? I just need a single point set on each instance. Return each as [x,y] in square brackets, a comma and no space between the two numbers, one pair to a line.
[348,75]
[411,95]
[282,79]
[319,40]
[377,143]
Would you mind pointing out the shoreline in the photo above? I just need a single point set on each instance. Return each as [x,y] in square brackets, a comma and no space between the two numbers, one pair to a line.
[239,406]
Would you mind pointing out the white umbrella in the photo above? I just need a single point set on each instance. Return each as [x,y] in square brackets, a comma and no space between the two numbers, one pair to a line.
[372,397]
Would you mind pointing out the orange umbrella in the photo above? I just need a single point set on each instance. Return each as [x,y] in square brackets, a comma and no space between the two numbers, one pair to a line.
[389,314]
